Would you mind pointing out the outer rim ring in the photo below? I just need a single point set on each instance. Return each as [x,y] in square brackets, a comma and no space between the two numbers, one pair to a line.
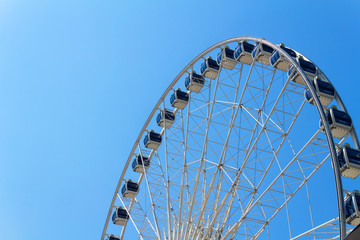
[331,144]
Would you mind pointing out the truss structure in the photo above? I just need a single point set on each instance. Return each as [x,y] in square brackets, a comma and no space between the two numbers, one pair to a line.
[243,148]
[327,230]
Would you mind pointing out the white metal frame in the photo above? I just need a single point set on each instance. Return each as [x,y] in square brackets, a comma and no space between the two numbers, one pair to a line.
[212,115]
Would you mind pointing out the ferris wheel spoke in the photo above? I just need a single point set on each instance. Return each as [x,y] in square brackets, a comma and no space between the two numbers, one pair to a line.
[306,187]
[154,177]
[192,201]
[250,147]
[140,215]
[278,134]
[167,183]
[159,186]
[185,133]
[229,206]
[218,209]
[235,109]
[249,205]
[273,197]
[132,216]
[205,162]
[315,146]
[153,210]
[327,230]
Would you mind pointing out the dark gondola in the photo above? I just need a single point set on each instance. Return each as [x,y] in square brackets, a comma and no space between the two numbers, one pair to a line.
[349,161]
[308,67]
[120,217]
[112,237]
[279,61]
[243,52]
[194,82]
[167,117]
[140,163]
[324,90]
[130,189]
[352,203]
[152,140]
[340,122]
[262,53]
[209,68]
[179,99]
[226,59]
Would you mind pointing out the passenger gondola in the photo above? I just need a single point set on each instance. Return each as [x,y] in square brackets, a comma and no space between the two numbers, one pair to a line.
[324,90]
[179,99]
[279,61]
[349,161]
[262,53]
[120,217]
[209,68]
[340,122]
[130,189]
[140,163]
[194,82]
[226,59]
[152,140]
[243,52]
[112,237]
[308,67]
[167,117]
[352,203]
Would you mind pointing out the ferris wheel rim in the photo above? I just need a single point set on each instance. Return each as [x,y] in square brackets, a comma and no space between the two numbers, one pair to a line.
[318,105]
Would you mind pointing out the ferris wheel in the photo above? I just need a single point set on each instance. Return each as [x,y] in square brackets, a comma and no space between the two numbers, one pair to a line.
[231,149]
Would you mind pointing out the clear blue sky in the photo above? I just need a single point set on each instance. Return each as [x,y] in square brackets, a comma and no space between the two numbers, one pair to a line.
[79,78]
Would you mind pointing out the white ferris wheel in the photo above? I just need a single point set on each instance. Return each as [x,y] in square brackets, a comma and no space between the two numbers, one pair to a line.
[231,148]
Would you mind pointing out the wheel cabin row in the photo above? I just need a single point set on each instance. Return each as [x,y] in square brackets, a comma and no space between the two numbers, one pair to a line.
[129,190]
[339,121]
[152,140]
